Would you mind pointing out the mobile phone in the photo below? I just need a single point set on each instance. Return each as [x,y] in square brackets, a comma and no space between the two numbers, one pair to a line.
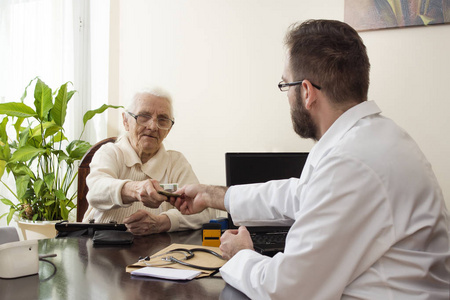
[168,194]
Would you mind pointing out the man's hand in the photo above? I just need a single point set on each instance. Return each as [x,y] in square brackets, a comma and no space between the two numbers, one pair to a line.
[235,240]
[145,191]
[193,199]
[144,223]
[197,197]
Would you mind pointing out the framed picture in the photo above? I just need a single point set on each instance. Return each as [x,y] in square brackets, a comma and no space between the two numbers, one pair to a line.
[366,15]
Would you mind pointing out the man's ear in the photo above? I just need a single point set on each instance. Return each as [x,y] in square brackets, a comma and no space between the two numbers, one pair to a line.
[309,94]
[125,121]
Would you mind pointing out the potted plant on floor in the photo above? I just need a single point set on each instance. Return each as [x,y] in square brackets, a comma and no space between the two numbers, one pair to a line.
[42,160]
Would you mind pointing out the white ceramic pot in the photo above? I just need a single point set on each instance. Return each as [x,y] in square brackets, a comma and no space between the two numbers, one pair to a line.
[37,230]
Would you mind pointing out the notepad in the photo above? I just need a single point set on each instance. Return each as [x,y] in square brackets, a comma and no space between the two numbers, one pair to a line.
[167,273]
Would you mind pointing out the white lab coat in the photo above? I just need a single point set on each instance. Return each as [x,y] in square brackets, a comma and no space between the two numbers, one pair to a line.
[369,220]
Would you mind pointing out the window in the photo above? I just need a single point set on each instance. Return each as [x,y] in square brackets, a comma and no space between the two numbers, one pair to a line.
[57,41]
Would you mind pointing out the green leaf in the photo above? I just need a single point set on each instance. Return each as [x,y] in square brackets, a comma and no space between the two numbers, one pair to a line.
[59,110]
[62,156]
[22,185]
[5,151]
[52,129]
[60,194]
[7,202]
[10,215]
[25,92]
[91,113]
[18,124]
[49,179]
[64,212]
[26,153]
[38,184]
[48,196]
[20,169]
[43,100]
[23,137]
[49,203]
[2,167]
[36,132]
[29,194]
[3,132]
[71,205]
[17,109]
[77,148]
[59,137]
[49,127]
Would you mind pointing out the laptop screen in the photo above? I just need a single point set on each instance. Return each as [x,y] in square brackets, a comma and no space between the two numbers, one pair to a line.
[256,167]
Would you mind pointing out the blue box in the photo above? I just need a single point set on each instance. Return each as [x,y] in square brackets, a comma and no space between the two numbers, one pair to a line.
[222,221]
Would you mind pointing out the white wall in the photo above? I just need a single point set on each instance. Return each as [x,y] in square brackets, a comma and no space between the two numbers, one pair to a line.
[222,60]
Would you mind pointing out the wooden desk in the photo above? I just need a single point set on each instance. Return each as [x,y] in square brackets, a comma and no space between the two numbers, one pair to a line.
[88,272]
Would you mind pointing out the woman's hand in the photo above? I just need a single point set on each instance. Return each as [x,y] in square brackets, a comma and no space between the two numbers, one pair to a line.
[145,191]
[144,223]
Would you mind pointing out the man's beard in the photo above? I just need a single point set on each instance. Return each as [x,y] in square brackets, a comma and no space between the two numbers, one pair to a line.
[302,121]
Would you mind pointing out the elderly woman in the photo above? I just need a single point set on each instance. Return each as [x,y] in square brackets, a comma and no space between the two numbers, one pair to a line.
[125,176]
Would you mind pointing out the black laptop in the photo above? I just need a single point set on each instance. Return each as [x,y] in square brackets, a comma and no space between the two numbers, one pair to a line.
[256,167]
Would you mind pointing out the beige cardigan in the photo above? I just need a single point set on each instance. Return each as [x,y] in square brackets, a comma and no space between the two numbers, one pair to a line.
[114,164]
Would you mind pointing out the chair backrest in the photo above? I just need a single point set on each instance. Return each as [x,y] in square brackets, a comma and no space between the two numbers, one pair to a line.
[8,234]
[83,172]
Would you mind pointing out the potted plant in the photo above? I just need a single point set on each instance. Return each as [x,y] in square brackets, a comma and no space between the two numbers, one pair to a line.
[42,160]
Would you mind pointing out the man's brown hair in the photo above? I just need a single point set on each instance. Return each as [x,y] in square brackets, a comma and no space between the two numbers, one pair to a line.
[331,55]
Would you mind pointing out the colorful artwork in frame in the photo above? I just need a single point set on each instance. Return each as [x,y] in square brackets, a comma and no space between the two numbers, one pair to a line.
[366,15]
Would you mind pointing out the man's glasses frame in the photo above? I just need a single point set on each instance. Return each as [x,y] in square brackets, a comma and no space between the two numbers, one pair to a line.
[284,86]
[160,121]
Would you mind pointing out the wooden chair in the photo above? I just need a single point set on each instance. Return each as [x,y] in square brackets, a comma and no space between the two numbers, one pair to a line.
[83,172]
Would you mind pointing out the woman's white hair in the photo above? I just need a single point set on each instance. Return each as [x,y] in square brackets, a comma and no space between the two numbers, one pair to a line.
[155,91]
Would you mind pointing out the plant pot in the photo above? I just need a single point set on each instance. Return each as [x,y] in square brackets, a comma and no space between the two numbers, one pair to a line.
[37,230]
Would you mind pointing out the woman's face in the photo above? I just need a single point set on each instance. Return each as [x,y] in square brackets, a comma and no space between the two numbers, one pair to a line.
[147,139]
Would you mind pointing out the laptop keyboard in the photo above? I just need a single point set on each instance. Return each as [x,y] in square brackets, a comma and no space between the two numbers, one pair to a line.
[269,238]
[269,243]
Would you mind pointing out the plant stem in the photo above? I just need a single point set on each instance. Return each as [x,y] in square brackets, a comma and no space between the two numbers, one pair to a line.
[14,194]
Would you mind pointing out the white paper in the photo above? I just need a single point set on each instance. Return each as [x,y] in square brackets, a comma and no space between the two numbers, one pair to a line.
[167,273]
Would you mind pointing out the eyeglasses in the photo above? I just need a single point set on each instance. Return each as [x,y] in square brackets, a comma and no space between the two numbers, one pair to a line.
[145,120]
[284,87]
